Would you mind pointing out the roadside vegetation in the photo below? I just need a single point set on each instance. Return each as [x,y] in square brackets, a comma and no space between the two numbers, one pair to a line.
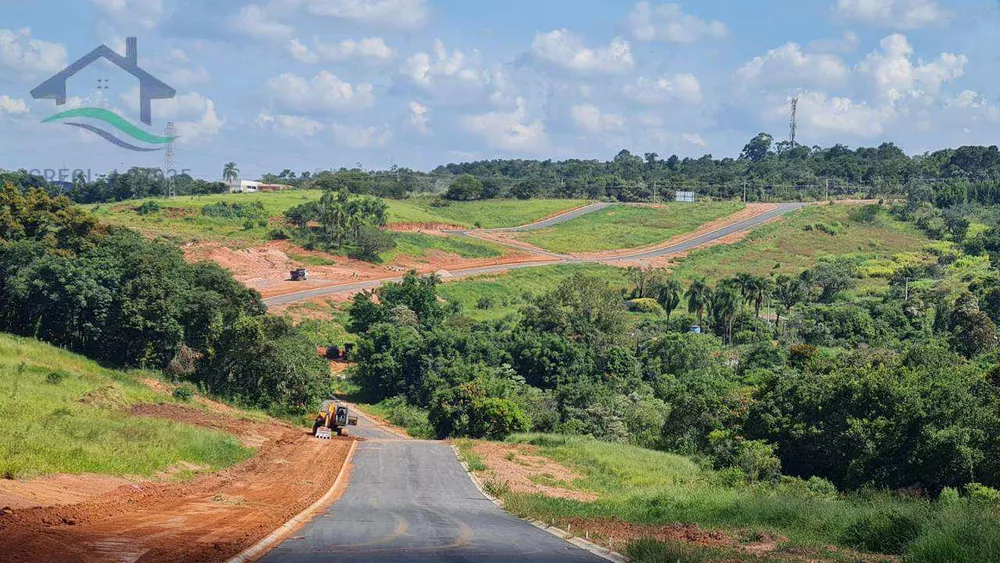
[621,227]
[62,413]
[802,238]
[806,517]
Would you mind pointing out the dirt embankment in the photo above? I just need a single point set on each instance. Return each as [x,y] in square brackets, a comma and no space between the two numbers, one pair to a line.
[209,519]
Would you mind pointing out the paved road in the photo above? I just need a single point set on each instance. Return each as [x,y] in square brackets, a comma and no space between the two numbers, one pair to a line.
[782,209]
[410,501]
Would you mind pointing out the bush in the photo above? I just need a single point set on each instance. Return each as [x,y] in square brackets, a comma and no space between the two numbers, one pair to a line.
[184,393]
[821,487]
[56,377]
[496,488]
[495,419]
[645,305]
[883,532]
[485,302]
[148,208]
[372,242]
[981,493]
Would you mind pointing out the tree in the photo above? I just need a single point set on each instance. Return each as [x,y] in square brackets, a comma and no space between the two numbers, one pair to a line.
[973,333]
[831,278]
[465,188]
[230,172]
[724,306]
[668,295]
[698,295]
[758,148]
[789,292]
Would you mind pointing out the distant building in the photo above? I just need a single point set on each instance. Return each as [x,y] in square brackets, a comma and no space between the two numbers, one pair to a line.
[249,187]
[686,197]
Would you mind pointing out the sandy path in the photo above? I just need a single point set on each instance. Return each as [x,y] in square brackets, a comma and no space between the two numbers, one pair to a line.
[209,519]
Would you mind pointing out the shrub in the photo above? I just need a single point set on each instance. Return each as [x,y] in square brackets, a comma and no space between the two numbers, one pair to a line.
[645,305]
[821,487]
[150,207]
[949,496]
[981,493]
[184,393]
[496,488]
[56,377]
[485,302]
[495,419]
[883,532]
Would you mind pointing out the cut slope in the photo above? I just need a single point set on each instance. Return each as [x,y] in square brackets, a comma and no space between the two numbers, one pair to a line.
[61,413]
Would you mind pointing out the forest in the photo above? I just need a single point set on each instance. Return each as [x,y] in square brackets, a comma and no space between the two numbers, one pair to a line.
[765,170]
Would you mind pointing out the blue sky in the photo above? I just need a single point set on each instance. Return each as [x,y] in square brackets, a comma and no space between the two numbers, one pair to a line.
[313,84]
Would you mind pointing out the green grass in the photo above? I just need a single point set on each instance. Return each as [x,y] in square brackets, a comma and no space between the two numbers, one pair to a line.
[401,415]
[621,226]
[650,487]
[180,218]
[786,247]
[490,214]
[512,290]
[417,246]
[322,324]
[78,425]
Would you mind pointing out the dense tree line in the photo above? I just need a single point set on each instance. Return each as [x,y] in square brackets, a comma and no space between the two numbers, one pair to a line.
[792,375]
[113,296]
[765,169]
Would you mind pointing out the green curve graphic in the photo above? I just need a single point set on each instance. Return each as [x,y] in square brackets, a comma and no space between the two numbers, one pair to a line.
[114,120]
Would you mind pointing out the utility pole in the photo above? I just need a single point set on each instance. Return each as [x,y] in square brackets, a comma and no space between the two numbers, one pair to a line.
[828,189]
[744,192]
[169,160]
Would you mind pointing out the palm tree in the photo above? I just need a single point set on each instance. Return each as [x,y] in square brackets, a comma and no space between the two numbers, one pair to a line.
[230,172]
[759,290]
[789,292]
[724,306]
[668,294]
[744,282]
[698,296]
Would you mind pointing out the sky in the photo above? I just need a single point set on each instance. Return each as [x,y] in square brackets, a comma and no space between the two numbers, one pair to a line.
[318,84]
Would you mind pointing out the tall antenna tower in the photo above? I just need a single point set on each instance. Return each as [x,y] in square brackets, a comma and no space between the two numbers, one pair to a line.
[794,127]
[169,160]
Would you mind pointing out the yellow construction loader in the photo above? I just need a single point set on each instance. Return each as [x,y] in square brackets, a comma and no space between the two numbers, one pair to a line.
[333,417]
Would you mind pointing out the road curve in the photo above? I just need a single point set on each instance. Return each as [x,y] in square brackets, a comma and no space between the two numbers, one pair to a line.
[410,501]
[701,240]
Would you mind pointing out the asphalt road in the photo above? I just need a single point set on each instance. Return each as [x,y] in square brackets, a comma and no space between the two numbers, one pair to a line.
[411,501]
[782,209]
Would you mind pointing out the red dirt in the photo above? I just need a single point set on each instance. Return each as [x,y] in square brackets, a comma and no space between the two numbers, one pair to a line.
[209,519]
[56,490]
[519,467]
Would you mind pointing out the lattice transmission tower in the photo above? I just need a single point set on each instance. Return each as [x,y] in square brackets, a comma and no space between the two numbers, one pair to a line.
[169,160]
[794,127]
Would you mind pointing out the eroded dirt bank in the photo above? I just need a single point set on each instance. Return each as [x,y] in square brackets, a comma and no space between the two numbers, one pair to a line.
[209,519]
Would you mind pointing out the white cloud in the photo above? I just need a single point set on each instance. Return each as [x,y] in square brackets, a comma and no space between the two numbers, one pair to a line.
[892,14]
[291,125]
[564,48]
[254,21]
[682,87]
[19,52]
[419,118]
[145,13]
[325,92]
[590,119]
[847,43]
[424,69]
[12,106]
[821,113]
[974,104]
[694,139]
[896,76]
[788,66]
[369,49]
[406,14]
[509,131]
[361,137]
[194,115]
[668,22]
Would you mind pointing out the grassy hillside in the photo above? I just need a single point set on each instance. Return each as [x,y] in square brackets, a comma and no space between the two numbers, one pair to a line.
[496,296]
[180,218]
[650,488]
[622,227]
[62,413]
[800,239]
[492,214]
